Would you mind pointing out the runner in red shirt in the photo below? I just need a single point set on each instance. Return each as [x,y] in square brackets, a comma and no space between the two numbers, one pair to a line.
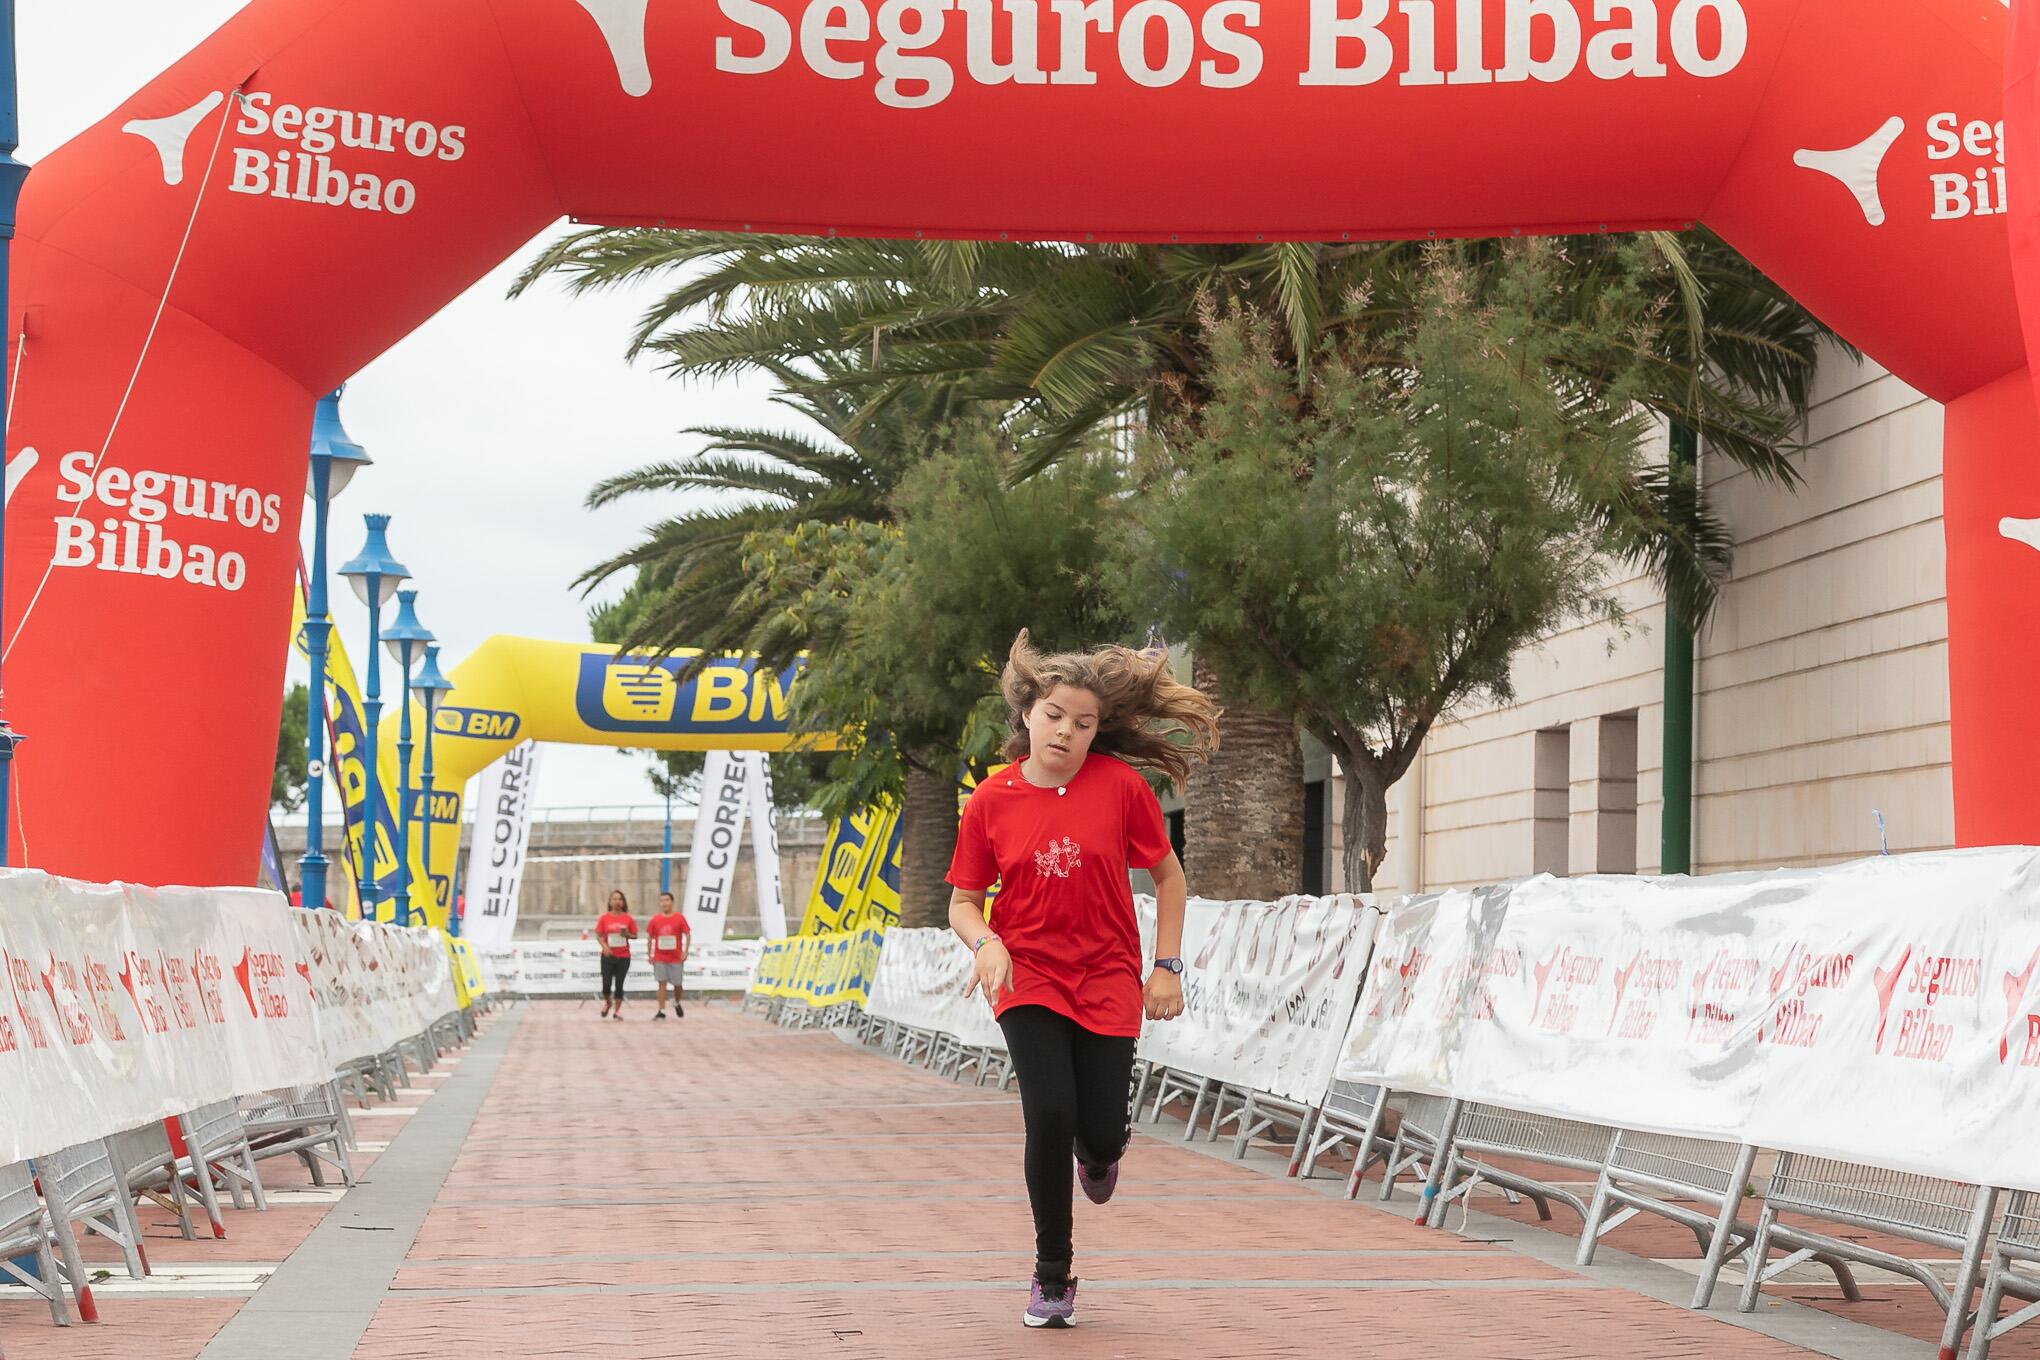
[669,934]
[1060,961]
[614,930]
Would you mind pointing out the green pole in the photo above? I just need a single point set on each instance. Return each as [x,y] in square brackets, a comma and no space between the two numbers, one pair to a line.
[1676,837]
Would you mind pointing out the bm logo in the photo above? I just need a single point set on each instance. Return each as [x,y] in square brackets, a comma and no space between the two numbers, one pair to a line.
[488,724]
[645,694]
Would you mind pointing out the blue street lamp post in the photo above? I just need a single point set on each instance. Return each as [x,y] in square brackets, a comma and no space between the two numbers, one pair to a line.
[12,173]
[406,639]
[375,576]
[666,848]
[335,459]
[432,687]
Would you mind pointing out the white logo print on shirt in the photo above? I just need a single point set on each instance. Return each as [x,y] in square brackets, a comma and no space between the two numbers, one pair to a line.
[1060,857]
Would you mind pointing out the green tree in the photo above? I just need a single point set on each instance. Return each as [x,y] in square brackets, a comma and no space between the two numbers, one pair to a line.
[287,780]
[1083,338]
[909,624]
[1372,548]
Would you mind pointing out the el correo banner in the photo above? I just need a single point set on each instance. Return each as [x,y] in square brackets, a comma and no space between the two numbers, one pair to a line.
[1885,1012]
[502,836]
[764,846]
[718,831]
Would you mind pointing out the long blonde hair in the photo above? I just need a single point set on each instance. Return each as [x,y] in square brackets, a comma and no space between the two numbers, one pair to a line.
[1146,716]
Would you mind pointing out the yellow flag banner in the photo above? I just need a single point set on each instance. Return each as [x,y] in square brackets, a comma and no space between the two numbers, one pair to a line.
[849,863]
[347,728]
[821,970]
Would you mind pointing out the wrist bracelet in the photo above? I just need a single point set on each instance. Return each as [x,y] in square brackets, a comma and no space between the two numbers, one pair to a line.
[982,943]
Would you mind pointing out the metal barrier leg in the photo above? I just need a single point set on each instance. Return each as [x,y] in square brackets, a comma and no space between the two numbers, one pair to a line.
[1980,1215]
[68,1260]
[1724,1228]
[1430,1211]
[1366,1143]
[46,1266]
[1753,1261]
[1590,1230]
[1196,1109]
[1987,1311]
[1304,1129]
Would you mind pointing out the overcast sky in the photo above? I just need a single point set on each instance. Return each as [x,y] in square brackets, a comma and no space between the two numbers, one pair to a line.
[487,425]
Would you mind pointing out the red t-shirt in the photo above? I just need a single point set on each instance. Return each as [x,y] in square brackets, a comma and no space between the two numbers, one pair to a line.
[619,922]
[1065,907]
[672,926]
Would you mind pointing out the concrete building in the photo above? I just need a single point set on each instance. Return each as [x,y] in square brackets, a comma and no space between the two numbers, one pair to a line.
[1821,687]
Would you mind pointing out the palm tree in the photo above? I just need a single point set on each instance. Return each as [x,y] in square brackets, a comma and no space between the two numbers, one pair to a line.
[1081,336]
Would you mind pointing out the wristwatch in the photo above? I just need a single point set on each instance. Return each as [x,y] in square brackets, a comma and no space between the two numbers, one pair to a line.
[1171,965]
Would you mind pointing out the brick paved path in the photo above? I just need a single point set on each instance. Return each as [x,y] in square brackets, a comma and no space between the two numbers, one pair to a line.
[719,1187]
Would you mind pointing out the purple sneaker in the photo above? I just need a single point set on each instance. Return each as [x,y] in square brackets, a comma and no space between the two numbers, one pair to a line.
[1051,1307]
[1098,1188]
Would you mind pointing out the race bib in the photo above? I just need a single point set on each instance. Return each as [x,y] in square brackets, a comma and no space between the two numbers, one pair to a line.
[617,939]
[669,942]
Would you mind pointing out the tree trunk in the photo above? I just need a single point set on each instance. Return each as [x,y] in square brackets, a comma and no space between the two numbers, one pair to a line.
[928,823]
[1363,822]
[1243,820]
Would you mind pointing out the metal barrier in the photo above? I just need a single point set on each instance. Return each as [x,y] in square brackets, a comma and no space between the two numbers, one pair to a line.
[1644,1168]
[1940,1213]
[2018,1243]
[1352,1112]
[80,1185]
[1178,1085]
[1426,1123]
[1261,1112]
[309,1123]
[25,1231]
[145,1162]
[1491,1131]
[216,1150]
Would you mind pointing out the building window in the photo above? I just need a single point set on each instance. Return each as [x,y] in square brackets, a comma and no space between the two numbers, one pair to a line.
[1551,809]
[1614,801]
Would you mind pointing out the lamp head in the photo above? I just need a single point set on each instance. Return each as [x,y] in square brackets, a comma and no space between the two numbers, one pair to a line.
[430,684]
[374,574]
[406,636]
[331,442]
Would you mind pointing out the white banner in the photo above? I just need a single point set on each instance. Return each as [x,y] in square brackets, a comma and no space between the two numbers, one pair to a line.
[765,847]
[502,835]
[718,831]
[1267,993]
[125,1005]
[921,979]
[375,983]
[1885,1012]
[570,968]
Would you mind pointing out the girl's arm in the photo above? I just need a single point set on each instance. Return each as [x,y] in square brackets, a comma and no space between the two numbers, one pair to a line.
[1162,997]
[991,965]
[1172,890]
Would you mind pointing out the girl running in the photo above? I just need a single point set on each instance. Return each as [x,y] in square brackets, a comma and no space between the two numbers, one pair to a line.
[614,930]
[1060,961]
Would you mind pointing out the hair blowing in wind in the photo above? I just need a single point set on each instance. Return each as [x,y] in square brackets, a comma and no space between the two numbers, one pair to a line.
[1146,716]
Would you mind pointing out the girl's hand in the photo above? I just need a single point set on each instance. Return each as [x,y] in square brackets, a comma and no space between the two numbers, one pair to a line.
[1163,995]
[991,972]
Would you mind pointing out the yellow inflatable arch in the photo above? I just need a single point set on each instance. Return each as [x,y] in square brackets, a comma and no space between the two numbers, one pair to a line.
[513,689]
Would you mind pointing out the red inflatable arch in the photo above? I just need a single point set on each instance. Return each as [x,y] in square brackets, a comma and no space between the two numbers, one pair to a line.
[322,175]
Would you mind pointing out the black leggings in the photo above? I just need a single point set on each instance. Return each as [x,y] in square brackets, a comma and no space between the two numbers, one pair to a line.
[1076,1097]
[613,970]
